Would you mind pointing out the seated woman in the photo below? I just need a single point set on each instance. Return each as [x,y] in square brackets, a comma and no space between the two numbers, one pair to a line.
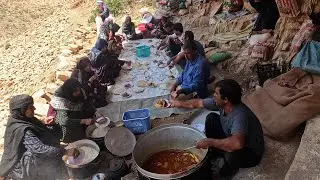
[73,113]
[105,63]
[128,27]
[31,150]
[108,29]
[95,93]
[103,9]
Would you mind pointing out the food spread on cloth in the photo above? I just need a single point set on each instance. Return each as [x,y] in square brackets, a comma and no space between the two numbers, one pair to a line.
[170,161]
[150,76]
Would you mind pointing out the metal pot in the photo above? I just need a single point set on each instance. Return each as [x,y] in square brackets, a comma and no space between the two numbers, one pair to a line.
[98,140]
[171,136]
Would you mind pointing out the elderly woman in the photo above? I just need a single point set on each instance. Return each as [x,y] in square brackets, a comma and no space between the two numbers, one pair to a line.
[72,112]
[108,29]
[31,150]
[94,91]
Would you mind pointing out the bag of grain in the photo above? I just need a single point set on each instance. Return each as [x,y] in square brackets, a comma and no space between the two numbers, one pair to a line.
[288,8]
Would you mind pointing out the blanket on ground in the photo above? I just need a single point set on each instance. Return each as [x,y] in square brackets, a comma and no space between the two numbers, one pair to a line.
[285,102]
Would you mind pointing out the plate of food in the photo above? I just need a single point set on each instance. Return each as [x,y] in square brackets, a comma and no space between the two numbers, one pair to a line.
[161,103]
[138,90]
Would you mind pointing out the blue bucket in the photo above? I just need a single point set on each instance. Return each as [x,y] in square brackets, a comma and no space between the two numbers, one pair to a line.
[137,121]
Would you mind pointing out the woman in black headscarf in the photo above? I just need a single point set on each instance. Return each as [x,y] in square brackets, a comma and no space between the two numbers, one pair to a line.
[31,150]
[105,62]
[73,113]
[95,93]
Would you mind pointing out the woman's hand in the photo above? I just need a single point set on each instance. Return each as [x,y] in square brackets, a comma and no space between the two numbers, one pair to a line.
[86,121]
[48,120]
[73,152]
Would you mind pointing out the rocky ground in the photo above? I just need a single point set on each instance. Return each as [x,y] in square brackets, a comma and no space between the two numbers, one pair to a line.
[31,45]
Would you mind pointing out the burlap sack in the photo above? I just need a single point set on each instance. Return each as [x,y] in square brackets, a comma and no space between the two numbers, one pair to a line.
[288,8]
[281,109]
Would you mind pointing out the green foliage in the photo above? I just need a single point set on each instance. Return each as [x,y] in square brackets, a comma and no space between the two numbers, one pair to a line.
[116,6]
[94,13]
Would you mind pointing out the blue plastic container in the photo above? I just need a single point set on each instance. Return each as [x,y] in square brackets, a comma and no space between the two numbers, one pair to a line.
[143,51]
[138,121]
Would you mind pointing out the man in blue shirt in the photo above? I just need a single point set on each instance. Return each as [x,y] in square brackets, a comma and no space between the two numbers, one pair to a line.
[234,137]
[195,76]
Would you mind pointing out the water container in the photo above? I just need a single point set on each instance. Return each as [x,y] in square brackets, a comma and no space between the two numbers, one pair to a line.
[138,121]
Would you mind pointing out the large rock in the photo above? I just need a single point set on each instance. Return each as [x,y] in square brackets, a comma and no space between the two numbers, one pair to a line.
[63,75]
[66,63]
[74,48]
[39,94]
[66,52]
[51,88]
[306,164]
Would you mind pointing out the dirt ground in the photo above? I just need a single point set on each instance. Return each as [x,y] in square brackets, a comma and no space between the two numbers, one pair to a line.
[31,35]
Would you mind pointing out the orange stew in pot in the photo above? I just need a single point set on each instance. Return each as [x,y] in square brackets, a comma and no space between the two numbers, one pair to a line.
[170,161]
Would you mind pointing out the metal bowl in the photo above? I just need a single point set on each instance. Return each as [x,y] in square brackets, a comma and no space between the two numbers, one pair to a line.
[89,156]
[171,136]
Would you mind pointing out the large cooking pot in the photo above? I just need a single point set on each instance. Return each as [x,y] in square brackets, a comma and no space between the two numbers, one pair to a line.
[171,136]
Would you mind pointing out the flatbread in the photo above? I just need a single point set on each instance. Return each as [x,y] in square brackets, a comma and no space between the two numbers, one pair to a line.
[128,78]
[145,63]
[142,83]
[138,90]
[164,86]
[143,67]
[119,91]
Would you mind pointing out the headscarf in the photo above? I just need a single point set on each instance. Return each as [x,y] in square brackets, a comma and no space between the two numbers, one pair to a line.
[80,72]
[128,26]
[16,127]
[63,98]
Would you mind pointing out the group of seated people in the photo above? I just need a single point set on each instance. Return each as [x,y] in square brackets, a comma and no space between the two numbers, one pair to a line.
[32,147]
